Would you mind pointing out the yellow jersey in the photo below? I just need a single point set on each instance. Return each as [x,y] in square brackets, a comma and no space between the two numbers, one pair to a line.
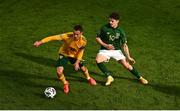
[71,47]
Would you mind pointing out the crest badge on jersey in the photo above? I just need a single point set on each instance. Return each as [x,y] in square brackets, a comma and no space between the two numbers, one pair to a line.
[60,56]
[117,35]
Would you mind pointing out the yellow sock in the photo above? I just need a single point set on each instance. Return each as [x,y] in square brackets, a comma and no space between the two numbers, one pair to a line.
[86,73]
[63,79]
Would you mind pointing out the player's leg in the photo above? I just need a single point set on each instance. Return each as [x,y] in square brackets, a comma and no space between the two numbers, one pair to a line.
[84,70]
[133,71]
[86,73]
[100,58]
[61,62]
[60,75]
[100,63]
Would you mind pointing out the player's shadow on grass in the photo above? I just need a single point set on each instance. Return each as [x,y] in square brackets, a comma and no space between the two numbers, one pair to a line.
[18,77]
[18,74]
[167,89]
[24,80]
[68,70]
[20,82]
[37,59]
[94,73]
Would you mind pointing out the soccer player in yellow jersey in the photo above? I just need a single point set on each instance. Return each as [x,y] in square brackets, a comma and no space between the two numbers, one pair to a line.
[72,50]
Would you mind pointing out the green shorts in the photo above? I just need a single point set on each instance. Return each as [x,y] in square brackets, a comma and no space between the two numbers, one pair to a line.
[63,60]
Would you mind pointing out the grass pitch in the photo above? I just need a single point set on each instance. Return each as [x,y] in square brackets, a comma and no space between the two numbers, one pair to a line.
[152,28]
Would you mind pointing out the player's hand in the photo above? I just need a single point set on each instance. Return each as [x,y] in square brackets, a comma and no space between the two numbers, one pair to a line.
[110,47]
[37,43]
[131,60]
[76,66]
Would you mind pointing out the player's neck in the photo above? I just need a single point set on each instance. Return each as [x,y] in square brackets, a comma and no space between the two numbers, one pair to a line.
[115,26]
[77,39]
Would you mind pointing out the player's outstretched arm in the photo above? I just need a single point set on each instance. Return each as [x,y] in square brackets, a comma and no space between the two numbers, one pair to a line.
[48,39]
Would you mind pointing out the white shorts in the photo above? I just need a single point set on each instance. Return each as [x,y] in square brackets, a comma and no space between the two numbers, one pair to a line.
[116,54]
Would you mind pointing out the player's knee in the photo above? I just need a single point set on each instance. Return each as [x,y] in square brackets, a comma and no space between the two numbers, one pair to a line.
[82,68]
[59,71]
[128,66]
[125,66]
[98,60]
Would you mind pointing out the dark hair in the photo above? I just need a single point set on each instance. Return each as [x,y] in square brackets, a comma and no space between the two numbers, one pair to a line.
[78,27]
[114,15]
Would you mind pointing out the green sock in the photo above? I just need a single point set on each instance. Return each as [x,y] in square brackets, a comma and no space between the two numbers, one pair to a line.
[135,72]
[103,69]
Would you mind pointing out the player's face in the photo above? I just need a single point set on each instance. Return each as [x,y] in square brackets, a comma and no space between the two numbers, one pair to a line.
[77,34]
[113,23]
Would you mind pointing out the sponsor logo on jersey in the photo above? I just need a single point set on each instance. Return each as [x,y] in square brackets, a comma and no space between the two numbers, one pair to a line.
[112,37]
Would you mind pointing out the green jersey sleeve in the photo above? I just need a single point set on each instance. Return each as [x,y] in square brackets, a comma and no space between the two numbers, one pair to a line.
[100,33]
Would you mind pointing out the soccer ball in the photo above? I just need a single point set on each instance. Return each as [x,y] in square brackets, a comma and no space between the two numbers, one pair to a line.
[50,92]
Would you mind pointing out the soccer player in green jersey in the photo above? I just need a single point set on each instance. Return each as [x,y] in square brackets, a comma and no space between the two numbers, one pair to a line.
[114,45]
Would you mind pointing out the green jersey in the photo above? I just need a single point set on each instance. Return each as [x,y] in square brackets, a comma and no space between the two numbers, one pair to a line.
[114,36]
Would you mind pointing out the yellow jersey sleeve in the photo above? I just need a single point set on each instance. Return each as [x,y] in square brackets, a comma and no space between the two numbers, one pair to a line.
[56,37]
